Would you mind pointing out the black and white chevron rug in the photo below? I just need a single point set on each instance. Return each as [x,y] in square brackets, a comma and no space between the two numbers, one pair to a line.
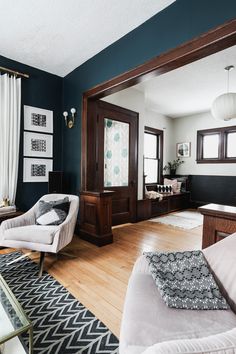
[62,325]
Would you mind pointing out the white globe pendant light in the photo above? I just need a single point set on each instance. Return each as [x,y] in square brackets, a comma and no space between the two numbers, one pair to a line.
[224,106]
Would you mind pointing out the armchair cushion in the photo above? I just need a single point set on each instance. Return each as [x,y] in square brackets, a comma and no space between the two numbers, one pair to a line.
[53,212]
[32,233]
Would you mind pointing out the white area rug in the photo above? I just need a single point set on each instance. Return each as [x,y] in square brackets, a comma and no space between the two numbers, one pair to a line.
[188,219]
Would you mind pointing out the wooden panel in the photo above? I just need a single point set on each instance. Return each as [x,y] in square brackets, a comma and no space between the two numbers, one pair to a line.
[120,205]
[169,203]
[175,203]
[218,219]
[159,207]
[105,217]
[213,189]
[90,213]
[96,217]
[143,209]
[178,202]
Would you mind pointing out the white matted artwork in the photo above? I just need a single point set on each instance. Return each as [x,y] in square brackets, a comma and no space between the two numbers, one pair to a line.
[36,170]
[38,145]
[183,149]
[38,119]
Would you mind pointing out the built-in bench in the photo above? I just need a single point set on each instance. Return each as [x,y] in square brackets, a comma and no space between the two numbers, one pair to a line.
[149,208]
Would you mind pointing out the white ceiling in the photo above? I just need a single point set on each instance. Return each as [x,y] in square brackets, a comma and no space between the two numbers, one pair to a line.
[59,35]
[192,88]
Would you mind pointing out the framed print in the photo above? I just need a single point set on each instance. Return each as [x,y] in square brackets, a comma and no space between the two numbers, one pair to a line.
[38,145]
[183,149]
[36,170]
[38,119]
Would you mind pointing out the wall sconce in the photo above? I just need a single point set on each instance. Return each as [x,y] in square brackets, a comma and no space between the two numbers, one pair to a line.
[70,121]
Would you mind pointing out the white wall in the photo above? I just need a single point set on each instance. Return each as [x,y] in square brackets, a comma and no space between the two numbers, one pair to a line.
[134,100]
[185,130]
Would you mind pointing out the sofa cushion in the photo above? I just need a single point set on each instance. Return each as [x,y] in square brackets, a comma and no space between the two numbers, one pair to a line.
[31,233]
[221,258]
[223,343]
[147,320]
[173,183]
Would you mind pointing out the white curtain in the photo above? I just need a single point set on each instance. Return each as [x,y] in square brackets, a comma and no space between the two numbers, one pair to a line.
[10,108]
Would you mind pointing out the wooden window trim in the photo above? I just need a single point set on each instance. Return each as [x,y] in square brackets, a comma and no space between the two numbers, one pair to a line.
[223,132]
[158,133]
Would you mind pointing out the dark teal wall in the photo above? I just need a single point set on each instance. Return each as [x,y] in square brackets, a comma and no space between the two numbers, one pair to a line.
[182,21]
[42,90]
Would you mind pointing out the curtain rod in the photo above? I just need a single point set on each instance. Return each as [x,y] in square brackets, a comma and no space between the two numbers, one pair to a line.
[17,73]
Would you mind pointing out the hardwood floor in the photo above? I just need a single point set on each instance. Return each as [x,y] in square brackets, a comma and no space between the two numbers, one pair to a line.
[98,277]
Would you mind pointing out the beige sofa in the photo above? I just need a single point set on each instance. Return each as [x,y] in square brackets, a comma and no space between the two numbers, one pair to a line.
[150,327]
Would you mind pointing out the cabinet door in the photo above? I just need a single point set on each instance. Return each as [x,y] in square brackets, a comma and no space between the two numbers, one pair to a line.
[179,202]
[159,208]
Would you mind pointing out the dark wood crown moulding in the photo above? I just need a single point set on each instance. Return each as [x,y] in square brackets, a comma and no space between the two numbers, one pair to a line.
[215,40]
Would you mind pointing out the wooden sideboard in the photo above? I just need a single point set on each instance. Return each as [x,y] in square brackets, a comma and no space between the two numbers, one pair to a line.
[96,217]
[219,221]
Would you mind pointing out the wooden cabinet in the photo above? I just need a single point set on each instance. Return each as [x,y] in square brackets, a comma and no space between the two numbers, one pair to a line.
[96,217]
[143,209]
[179,201]
[219,221]
[159,207]
[149,208]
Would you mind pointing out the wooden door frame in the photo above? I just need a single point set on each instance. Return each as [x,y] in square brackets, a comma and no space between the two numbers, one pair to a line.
[215,40]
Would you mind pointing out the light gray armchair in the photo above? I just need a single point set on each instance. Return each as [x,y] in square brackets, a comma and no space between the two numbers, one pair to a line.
[22,231]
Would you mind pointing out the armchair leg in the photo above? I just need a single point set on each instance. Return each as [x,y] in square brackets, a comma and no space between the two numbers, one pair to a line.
[41,261]
[19,258]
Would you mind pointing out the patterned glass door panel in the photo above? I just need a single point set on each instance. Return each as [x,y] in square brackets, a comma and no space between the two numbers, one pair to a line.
[116,153]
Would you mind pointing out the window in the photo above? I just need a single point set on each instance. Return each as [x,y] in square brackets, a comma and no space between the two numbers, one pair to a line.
[211,146]
[231,145]
[153,140]
[216,145]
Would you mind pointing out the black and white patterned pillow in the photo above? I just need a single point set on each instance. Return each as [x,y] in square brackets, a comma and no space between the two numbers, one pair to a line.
[53,212]
[185,280]
[161,188]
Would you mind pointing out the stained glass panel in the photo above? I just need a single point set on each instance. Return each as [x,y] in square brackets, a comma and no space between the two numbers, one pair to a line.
[116,153]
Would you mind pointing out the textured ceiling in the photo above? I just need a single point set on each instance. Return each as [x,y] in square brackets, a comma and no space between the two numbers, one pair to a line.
[59,35]
[192,88]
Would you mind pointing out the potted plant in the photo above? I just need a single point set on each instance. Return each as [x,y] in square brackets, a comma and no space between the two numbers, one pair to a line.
[172,166]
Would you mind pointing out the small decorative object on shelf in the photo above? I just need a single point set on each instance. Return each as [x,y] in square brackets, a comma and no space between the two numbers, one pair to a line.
[5,202]
[172,166]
